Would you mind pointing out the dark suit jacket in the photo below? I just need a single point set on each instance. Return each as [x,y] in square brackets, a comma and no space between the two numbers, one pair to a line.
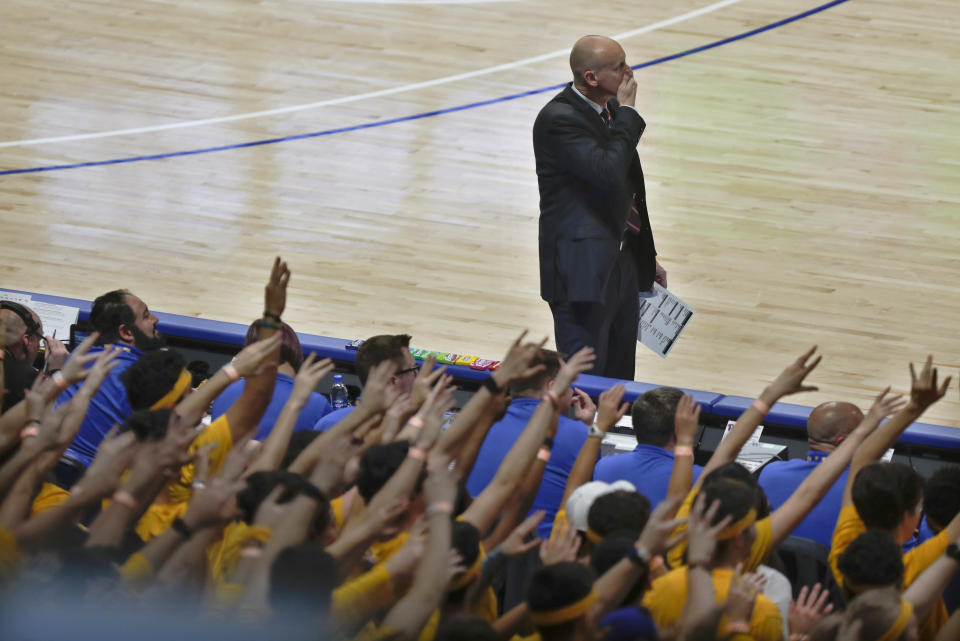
[589,175]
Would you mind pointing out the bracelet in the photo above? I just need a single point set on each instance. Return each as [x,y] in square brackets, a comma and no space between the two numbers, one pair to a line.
[760,406]
[594,431]
[643,553]
[275,317]
[416,421]
[741,627]
[633,554]
[27,432]
[491,385]
[125,499]
[417,453]
[548,443]
[231,372]
[180,527]
[60,381]
[251,552]
[683,450]
[543,454]
[551,396]
[269,324]
[440,507]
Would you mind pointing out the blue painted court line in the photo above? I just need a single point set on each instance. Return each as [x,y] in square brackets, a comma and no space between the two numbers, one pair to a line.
[427,114]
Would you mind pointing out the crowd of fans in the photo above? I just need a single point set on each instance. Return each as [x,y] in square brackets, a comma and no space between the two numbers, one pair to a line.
[135,503]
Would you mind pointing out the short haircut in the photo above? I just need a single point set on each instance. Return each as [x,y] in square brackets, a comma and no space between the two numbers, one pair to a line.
[653,416]
[109,313]
[303,578]
[464,627]
[551,362]
[941,496]
[736,472]
[736,500]
[377,465]
[556,586]
[291,352]
[152,377]
[378,349]
[610,551]
[884,492]
[261,484]
[872,559]
[877,610]
[465,539]
[148,425]
[618,511]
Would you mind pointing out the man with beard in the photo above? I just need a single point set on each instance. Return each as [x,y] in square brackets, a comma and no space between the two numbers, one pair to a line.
[124,323]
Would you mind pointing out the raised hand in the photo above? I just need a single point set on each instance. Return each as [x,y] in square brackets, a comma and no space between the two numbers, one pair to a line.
[427,377]
[378,394]
[432,413]
[275,293]
[248,361]
[627,91]
[579,363]
[883,406]
[807,609]
[610,409]
[584,409]
[686,420]
[701,536]
[656,533]
[210,501]
[790,380]
[310,374]
[744,589]
[516,544]
[105,362]
[515,366]
[562,546]
[441,484]
[924,390]
[114,455]
[74,369]
[57,354]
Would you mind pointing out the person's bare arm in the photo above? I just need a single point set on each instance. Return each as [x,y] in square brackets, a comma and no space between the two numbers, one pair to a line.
[927,588]
[515,510]
[467,456]
[484,510]
[951,630]
[685,424]
[701,544]
[790,381]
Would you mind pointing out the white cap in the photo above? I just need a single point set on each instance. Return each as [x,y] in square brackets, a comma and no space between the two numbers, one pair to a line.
[578,505]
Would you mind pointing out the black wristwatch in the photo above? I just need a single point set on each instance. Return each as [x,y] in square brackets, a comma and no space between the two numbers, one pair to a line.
[491,385]
[953,551]
[181,528]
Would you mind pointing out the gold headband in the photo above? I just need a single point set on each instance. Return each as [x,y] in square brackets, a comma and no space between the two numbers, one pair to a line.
[906,610]
[732,530]
[178,389]
[593,536]
[564,614]
[473,571]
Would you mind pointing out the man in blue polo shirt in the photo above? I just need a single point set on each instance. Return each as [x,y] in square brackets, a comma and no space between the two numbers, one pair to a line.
[570,437]
[372,352]
[827,426]
[125,321]
[650,465]
[291,357]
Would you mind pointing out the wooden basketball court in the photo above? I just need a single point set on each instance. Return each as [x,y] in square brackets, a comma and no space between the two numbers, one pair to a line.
[802,180]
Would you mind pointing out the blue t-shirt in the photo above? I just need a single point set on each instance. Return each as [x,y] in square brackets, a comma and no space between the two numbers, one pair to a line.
[109,407]
[648,467]
[780,479]
[316,408]
[501,437]
[334,417]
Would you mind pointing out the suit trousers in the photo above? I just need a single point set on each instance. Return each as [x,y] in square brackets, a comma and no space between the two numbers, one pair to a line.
[609,327]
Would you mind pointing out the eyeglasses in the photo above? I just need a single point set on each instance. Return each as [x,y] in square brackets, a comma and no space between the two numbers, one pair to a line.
[415,368]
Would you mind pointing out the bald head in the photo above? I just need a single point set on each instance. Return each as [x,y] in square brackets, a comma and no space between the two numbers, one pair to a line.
[591,57]
[21,340]
[829,423]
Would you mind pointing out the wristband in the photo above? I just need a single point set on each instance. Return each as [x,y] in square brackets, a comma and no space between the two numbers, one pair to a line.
[27,432]
[231,372]
[543,454]
[492,386]
[552,397]
[275,317]
[548,443]
[180,527]
[252,552]
[953,551]
[269,324]
[60,381]
[440,507]
[683,450]
[636,558]
[417,453]
[741,627]
[760,406]
[643,553]
[125,499]
[416,421]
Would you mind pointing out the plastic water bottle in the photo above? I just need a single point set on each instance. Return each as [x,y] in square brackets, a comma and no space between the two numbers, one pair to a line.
[338,393]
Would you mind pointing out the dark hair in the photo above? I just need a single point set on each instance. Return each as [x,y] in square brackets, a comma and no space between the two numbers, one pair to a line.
[610,551]
[941,496]
[556,586]
[464,628]
[18,377]
[877,610]
[109,313]
[735,472]
[736,500]
[623,510]
[377,349]
[261,484]
[299,441]
[653,416]
[874,558]
[465,539]
[291,351]
[551,362]
[377,465]
[152,377]
[884,492]
[303,578]
[148,425]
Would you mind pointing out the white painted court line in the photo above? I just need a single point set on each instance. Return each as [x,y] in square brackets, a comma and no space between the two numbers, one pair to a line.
[372,94]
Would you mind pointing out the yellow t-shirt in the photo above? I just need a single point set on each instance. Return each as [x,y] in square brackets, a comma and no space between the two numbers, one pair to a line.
[10,553]
[667,596]
[137,571]
[758,552]
[359,598]
[224,555]
[50,496]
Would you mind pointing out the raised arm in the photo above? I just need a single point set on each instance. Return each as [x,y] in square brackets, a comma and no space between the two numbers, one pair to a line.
[790,381]
[927,588]
[685,424]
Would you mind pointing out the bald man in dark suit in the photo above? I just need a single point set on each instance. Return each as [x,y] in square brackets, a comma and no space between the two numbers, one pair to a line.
[596,245]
